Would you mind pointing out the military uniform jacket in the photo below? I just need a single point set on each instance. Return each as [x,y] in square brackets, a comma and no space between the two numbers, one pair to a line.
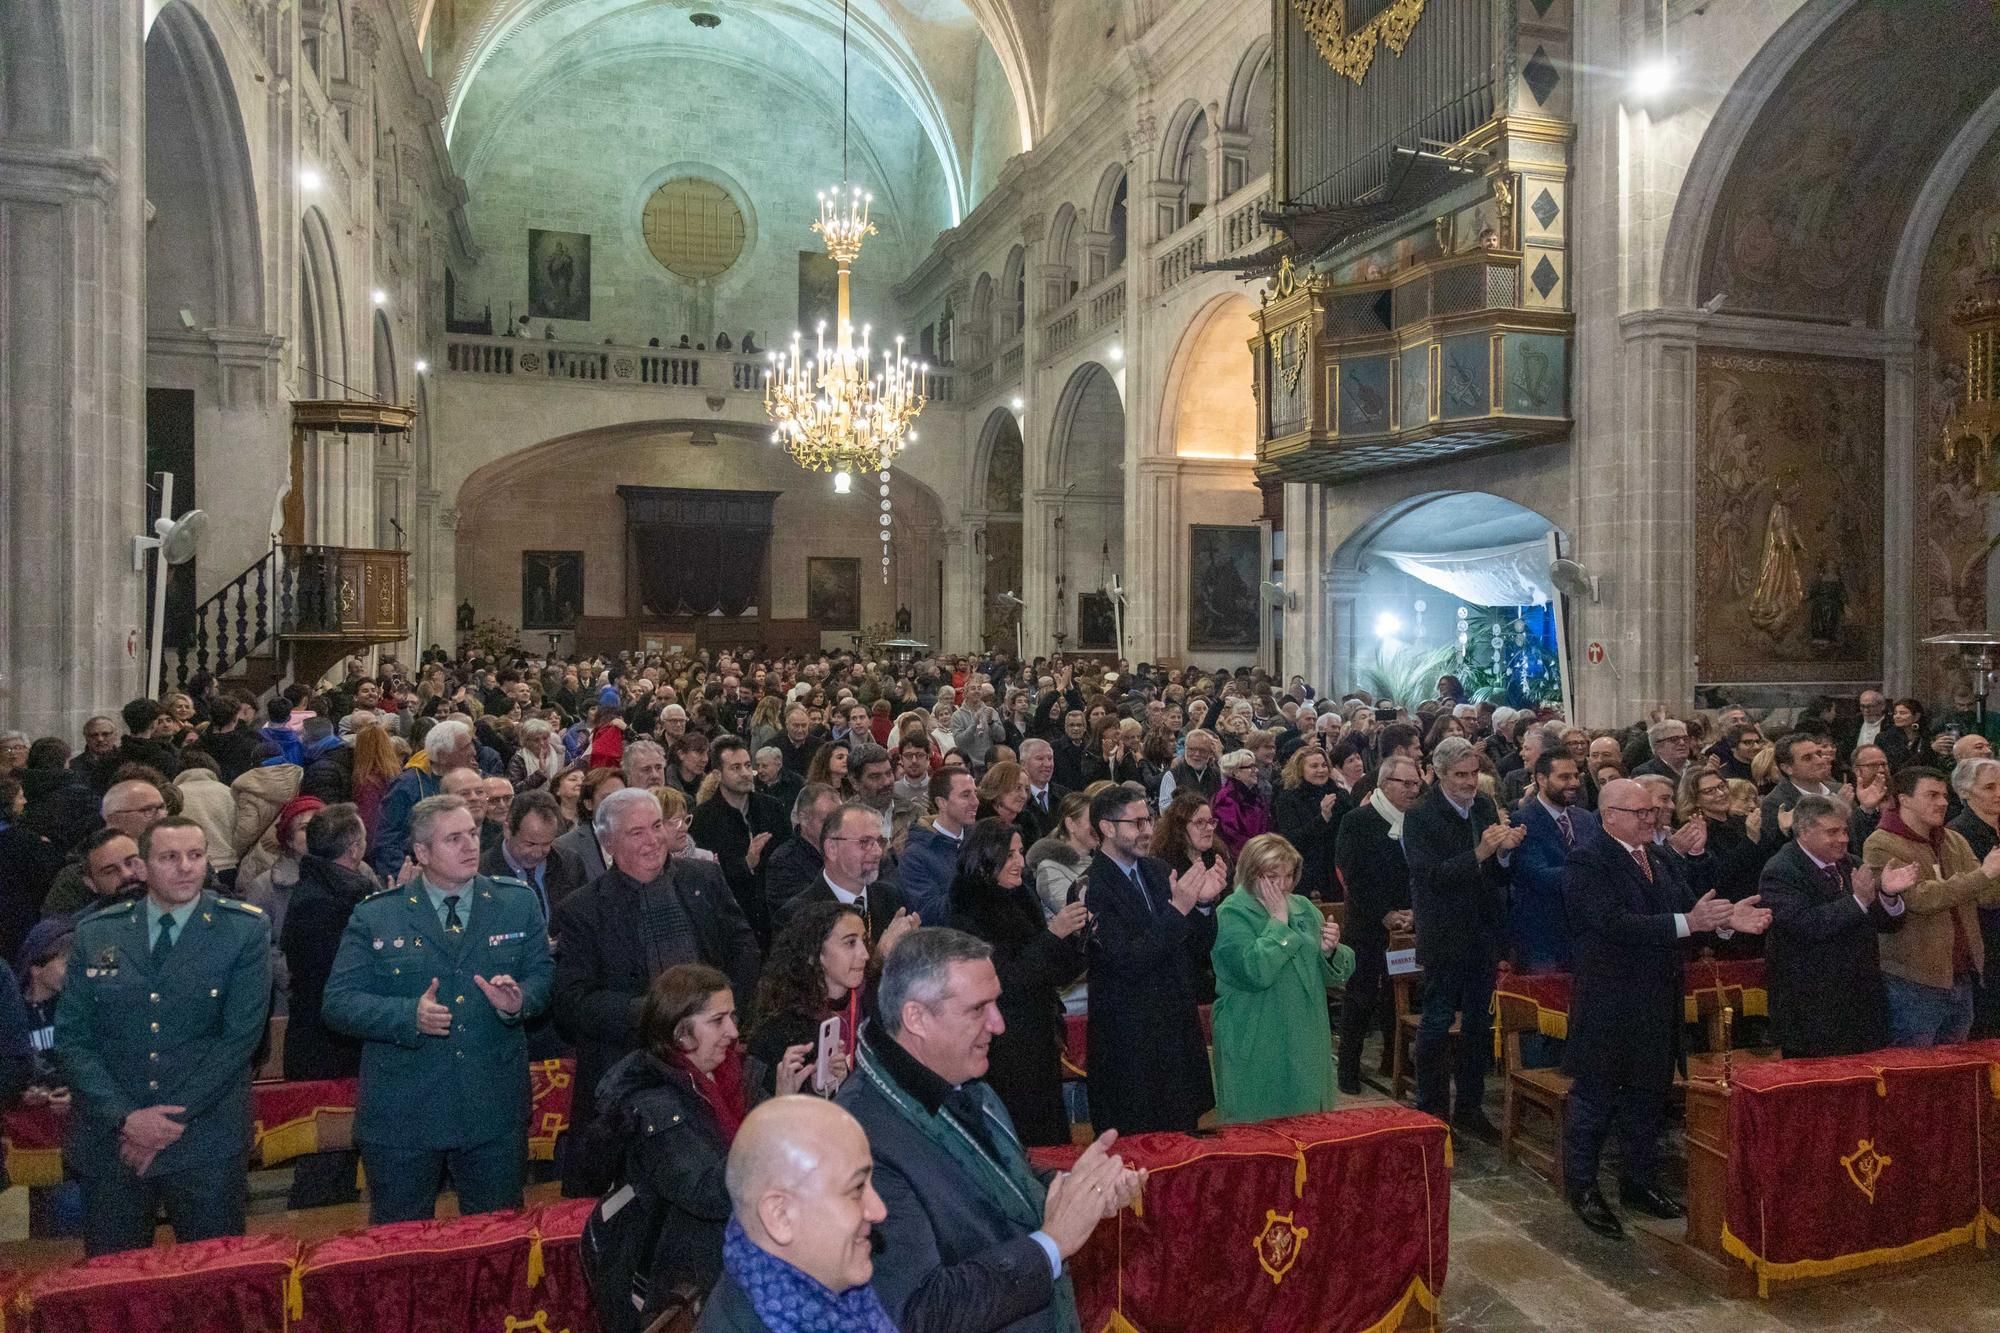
[464,1089]
[130,1036]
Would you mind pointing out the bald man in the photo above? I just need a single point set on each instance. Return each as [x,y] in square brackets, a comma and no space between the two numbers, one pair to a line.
[802,1209]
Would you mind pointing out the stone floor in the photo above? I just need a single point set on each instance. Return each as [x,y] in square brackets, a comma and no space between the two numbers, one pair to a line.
[1520,1263]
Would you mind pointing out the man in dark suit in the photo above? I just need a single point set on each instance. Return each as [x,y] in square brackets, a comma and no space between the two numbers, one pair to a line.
[974,1238]
[1148,1063]
[1554,827]
[641,917]
[582,845]
[1368,856]
[528,852]
[796,866]
[1825,971]
[1038,818]
[1806,761]
[851,841]
[741,826]
[1629,908]
[1459,846]
[1668,739]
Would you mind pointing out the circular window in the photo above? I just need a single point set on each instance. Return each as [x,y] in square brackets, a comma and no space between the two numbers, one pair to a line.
[693,227]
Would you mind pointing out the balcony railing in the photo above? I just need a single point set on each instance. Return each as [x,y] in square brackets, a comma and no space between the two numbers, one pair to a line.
[1179,264]
[1233,226]
[604,363]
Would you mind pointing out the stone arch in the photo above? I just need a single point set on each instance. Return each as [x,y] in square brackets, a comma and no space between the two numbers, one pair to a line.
[1249,112]
[1060,257]
[1087,442]
[1255,62]
[1184,160]
[34,73]
[1014,294]
[385,376]
[1108,214]
[204,244]
[1082,527]
[322,307]
[979,319]
[998,462]
[1208,407]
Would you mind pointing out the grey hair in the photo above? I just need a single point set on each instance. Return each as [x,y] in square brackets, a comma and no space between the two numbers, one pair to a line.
[919,967]
[836,819]
[810,795]
[1450,751]
[446,739]
[1666,729]
[1964,775]
[1395,759]
[1811,809]
[768,752]
[601,817]
[1236,759]
[634,751]
[426,813]
[536,726]
[1035,745]
[13,738]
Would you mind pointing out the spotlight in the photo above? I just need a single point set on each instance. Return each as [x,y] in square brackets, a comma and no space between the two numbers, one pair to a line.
[842,483]
[309,179]
[1018,403]
[1388,625]
[422,366]
[1117,353]
[379,297]
[1653,79]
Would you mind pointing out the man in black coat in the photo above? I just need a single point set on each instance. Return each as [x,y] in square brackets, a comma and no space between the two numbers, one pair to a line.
[1368,854]
[851,873]
[1458,844]
[331,881]
[1148,1063]
[797,865]
[1629,907]
[641,917]
[742,826]
[528,850]
[1825,971]
[1043,813]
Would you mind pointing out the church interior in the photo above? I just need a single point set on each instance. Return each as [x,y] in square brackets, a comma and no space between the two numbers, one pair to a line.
[1644,349]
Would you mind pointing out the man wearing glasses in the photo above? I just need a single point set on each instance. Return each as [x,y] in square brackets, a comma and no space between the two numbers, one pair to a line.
[1148,1061]
[130,807]
[851,841]
[1629,907]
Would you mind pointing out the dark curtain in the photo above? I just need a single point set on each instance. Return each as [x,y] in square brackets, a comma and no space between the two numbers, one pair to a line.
[692,570]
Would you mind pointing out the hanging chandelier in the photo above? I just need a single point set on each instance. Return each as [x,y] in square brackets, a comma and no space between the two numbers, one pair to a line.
[833,408]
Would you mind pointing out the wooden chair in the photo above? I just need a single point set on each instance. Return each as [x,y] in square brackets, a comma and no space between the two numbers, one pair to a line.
[1545,1090]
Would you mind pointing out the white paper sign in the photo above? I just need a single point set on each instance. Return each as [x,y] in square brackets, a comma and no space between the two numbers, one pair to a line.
[1402,962]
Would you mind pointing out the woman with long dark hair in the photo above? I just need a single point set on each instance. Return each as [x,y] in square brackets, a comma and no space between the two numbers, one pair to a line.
[1036,960]
[816,971]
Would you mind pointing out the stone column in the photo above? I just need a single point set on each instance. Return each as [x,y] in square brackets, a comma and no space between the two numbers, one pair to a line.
[72,415]
[1306,553]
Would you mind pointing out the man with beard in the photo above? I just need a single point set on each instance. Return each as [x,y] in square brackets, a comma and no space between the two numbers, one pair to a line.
[740,824]
[1554,828]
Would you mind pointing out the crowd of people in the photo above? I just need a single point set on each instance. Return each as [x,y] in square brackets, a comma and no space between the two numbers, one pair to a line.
[810,929]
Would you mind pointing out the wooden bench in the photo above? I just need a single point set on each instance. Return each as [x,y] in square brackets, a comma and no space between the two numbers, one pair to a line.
[1545,1090]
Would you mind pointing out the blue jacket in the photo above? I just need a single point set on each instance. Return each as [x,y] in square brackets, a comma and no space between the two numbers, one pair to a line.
[291,750]
[392,838]
[1541,930]
[930,860]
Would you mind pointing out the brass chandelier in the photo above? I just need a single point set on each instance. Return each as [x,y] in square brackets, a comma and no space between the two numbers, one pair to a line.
[835,410]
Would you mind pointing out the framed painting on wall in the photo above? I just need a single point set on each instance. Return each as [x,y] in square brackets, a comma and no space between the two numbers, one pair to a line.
[551,589]
[819,293]
[1096,626]
[558,274]
[1222,587]
[833,591]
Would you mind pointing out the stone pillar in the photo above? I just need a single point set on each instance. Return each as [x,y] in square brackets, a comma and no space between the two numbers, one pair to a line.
[1153,557]
[72,415]
[1306,554]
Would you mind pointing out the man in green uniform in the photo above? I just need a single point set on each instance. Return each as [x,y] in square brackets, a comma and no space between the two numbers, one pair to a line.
[437,978]
[165,1004]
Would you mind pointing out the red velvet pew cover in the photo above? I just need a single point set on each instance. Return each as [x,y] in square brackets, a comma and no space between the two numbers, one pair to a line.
[1841,1164]
[1337,1221]
[237,1285]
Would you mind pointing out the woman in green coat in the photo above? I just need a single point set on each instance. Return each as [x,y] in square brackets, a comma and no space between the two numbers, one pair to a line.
[1275,956]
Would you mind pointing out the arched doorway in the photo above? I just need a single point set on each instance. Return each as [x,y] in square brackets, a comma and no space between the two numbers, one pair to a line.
[1085,512]
[997,546]
[1448,581]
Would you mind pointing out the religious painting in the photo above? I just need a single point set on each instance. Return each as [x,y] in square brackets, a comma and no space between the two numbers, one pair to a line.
[1223,579]
[819,294]
[1096,623]
[833,591]
[558,274]
[1364,395]
[1951,552]
[551,589]
[1788,508]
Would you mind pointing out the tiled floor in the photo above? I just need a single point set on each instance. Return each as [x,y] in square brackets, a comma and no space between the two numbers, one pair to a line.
[1520,1263]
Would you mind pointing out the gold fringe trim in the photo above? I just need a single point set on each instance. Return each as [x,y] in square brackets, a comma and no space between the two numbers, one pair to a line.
[1417,1292]
[1767,1269]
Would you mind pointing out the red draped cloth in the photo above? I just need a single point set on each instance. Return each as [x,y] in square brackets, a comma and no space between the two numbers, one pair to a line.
[209,1286]
[1335,1221]
[550,1086]
[1847,1162]
[415,1277]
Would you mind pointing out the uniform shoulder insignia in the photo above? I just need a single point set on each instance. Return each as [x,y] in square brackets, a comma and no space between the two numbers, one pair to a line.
[113,909]
[513,881]
[238,905]
[381,893]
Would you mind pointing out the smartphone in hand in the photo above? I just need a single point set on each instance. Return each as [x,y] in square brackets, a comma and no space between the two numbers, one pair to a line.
[829,1042]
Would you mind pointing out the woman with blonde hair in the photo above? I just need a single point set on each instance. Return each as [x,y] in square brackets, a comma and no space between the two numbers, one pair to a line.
[674,811]
[1275,959]
[1003,792]
[767,722]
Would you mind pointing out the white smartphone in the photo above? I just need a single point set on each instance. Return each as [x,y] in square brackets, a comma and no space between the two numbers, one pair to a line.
[829,1042]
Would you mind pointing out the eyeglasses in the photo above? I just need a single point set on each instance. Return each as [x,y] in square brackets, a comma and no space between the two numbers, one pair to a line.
[1141,819]
[1399,782]
[1636,811]
[1201,823]
[156,808]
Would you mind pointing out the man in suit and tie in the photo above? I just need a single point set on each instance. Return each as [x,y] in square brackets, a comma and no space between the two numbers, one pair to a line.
[438,979]
[796,866]
[1629,908]
[852,843]
[1368,856]
[528,852]
[1148,1063]
[1459,847]
[1806,762]
[1554,826]
[1038,818]
[1825,968]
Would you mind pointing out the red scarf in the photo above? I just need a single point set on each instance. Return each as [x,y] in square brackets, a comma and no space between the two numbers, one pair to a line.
[722,1090]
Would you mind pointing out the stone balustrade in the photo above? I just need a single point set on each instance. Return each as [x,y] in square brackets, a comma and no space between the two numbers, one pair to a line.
[629,367]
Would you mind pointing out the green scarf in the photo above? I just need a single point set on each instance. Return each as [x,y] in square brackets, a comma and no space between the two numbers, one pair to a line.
[1009,1183]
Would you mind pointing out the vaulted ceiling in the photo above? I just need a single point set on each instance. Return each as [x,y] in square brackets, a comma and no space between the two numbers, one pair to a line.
[913,61]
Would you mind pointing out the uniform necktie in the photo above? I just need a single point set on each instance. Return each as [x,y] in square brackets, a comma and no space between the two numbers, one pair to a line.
[451,918]
[163,944]
[1645,866]
[1569,833]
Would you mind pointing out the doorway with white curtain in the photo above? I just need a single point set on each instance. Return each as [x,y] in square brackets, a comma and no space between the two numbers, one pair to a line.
[1451,582]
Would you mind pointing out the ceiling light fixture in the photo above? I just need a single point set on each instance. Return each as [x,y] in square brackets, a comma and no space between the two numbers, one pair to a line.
[836,410]
[701,18]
